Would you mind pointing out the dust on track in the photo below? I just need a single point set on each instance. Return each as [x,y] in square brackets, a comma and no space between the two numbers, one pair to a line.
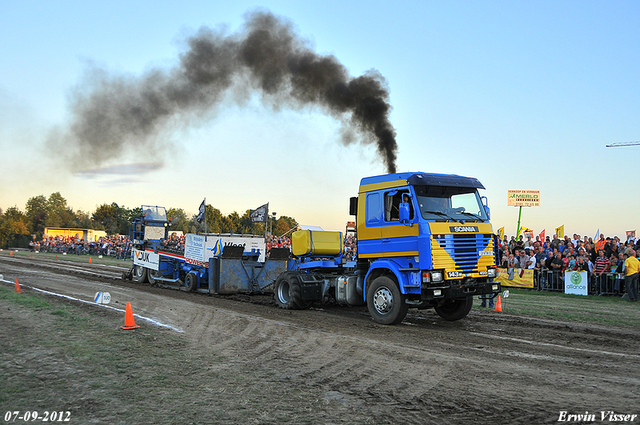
[488,366]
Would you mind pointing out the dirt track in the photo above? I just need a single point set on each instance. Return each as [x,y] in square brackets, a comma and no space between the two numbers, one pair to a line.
[487,368]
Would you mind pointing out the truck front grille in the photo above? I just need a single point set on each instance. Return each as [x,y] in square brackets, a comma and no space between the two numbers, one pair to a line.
[461,248]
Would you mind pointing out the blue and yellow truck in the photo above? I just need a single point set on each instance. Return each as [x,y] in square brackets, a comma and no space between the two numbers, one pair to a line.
[424,240]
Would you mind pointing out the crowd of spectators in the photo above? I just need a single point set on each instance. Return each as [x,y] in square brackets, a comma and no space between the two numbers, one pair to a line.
[602,259]
[350,247]
[111,246]
[278,242]
[174,243]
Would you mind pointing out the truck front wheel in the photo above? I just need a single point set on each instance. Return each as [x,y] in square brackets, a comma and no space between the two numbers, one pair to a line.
[455,309]
[287,293]
[385,302]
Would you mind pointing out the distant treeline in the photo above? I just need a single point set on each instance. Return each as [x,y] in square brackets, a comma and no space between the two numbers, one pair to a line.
[18,227]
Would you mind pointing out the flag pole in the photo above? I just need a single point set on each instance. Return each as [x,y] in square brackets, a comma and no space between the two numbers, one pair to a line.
[205,219]
[518,229]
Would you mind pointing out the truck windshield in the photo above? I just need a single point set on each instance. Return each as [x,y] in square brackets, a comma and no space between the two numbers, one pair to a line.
[444,203]
[155,213]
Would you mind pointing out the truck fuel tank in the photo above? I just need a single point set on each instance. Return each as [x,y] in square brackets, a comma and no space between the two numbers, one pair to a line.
[347,291]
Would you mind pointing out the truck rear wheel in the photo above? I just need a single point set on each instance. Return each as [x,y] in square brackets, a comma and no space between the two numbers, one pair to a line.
[139,274]
[455,309]
[287,293]
[385,302]
[191,282]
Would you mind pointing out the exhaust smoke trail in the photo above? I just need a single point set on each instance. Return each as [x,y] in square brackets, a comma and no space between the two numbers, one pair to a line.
[114,112]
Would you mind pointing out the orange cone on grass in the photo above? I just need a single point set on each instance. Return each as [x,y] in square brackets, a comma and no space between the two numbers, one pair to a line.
[18,287]
[499,305]
[129,322]
[90,260]
[11,253]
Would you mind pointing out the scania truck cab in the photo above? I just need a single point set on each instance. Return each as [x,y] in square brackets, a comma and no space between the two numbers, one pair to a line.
[425,241]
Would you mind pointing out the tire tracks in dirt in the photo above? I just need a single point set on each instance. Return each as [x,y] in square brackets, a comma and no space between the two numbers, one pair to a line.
[499,368]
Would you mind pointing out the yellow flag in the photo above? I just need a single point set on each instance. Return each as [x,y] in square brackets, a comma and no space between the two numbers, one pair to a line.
[501,233]
[560,232]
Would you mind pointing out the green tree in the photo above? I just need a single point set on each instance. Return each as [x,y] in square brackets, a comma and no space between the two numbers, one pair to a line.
[105,217]
[14,228]
[36,213]
[58,213]
[283,225]
[179,220]
[215,221]
[83,220]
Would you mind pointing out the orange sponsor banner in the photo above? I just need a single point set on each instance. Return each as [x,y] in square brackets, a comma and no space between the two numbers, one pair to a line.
[520,278]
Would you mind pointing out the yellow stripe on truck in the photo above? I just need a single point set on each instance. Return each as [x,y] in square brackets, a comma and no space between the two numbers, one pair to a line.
[445,228]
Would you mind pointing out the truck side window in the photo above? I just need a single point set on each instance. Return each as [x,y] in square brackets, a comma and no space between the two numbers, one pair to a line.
[374,209]
[392,202]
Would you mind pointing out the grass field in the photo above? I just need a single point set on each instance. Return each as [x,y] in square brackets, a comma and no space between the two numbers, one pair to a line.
[95,259]
[56,356]
[59,356]
[594,310]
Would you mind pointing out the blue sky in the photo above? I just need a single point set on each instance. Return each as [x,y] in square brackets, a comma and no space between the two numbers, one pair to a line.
[522,95]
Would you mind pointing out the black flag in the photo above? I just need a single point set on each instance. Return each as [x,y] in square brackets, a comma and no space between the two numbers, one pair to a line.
[259,215]
[201,210]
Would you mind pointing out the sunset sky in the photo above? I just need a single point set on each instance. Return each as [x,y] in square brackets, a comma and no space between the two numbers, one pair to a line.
[522,95]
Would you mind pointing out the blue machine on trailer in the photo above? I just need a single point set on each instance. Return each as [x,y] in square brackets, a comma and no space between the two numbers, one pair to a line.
[212,263]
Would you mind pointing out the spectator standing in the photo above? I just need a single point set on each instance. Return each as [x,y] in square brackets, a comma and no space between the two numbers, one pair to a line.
[603,265]
[631,266]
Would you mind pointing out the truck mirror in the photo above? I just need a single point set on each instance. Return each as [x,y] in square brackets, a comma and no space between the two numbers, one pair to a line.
[353,205]
[404,213]
[488,211]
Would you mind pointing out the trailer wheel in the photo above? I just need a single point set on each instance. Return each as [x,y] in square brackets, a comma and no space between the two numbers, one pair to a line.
[139,274]
[287,293]
[151,276]
[455,309]
[385,302]
[191,282]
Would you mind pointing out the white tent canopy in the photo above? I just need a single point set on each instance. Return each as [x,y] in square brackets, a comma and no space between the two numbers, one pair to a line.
[316,228]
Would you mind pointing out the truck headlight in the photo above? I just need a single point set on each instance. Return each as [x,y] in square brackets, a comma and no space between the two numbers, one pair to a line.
[491,272]
[436,276]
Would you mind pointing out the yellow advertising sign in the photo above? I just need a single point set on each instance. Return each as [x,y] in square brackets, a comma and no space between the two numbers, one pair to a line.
[523,198]
[521,278]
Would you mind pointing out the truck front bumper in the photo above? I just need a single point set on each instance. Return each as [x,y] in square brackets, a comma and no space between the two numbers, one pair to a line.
[459,289]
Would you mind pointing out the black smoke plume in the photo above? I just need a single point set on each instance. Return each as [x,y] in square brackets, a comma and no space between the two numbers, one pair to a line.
[112,113]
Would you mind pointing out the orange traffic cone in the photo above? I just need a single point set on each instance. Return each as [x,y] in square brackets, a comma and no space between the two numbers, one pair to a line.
[11,253]
[499,305]
[129,322]
[18,287]
[90,260]
[56,257]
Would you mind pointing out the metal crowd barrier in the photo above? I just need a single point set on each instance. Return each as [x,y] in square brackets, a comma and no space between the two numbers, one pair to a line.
[606,284]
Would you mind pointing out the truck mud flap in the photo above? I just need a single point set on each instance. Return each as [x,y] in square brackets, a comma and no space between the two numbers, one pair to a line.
[310,287]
